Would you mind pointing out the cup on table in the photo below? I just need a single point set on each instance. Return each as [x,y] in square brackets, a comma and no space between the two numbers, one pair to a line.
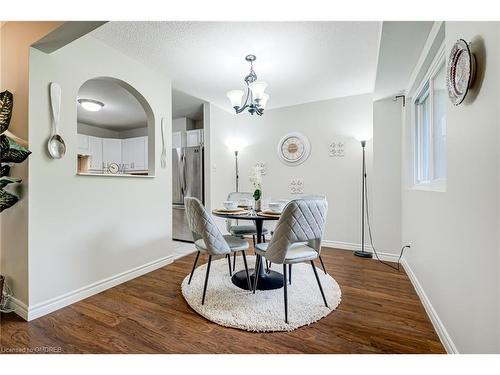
[230,205]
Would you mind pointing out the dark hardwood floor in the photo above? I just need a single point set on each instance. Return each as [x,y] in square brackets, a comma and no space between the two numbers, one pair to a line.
[379,313]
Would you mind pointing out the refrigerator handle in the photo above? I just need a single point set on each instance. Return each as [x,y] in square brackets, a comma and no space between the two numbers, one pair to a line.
[184,183]
[182,178]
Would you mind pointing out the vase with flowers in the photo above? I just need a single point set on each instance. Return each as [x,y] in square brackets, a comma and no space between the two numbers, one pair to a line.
[256,180]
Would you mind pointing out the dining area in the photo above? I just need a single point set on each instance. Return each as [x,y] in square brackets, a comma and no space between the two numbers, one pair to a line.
[258,277]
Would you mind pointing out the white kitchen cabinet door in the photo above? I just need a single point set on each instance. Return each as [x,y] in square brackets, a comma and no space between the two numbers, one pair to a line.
[83,144]
[95,152]
[194,137]
[178,139]
[135,153]
[111,151]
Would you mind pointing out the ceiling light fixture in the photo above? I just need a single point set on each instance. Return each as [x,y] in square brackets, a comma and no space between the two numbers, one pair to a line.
[256,98]
[91,105]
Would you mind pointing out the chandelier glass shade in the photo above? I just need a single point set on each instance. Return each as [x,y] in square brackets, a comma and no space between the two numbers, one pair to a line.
[256,98]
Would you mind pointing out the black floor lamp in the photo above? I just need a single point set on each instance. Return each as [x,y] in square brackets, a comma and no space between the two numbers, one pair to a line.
[362,253]
[237,170]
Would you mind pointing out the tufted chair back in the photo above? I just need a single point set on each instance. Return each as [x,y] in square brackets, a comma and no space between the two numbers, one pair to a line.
[302,220]
[203,227]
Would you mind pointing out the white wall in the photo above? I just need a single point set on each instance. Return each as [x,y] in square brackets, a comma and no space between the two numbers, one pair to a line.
[386,176]
[455,234]
[84,229]
[16,38]
[322,122]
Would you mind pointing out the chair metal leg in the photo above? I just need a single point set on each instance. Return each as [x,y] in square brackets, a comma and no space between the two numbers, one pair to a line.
[267,266]
[228,256]
[249,283]
[194,267]
[234,261]
[290,273]
[256,273]
[206,279]
[264,238]
[322,264]
[285,292]
[253,238]
[319,283]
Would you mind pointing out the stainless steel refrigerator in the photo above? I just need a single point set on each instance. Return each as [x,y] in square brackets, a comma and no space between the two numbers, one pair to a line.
[187,181]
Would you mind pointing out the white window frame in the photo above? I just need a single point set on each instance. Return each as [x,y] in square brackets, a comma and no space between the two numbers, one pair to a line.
[424,90]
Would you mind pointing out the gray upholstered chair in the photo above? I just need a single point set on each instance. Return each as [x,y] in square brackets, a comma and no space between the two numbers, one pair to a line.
[315,196]
[312,196]
[209,239]
[241,230]
[296,239]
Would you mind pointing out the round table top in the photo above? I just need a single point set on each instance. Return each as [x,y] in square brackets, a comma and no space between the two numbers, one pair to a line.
[245,216]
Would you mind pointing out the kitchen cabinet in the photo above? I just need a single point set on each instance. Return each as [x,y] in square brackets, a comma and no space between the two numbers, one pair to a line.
[178,139]
[135,153]
[194,137]
[132,153]
[95,152]
[83,144]
[111,151]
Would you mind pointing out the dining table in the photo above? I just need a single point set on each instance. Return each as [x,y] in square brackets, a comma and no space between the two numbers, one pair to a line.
[266,280]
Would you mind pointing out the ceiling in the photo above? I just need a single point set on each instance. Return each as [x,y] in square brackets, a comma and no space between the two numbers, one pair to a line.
[301,61]
[121,111]
[401,44]
[184,105]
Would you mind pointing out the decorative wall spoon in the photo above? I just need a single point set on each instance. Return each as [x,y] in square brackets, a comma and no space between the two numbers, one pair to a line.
[56,145]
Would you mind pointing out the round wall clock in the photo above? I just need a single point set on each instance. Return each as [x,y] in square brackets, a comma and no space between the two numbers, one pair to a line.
[460,71]
[294,149]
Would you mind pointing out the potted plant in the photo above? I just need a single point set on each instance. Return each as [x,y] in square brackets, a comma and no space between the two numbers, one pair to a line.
[256,180]
[10,152]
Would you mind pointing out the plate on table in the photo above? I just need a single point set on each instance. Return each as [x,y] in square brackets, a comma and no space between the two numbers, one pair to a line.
[230,212]
[269,213]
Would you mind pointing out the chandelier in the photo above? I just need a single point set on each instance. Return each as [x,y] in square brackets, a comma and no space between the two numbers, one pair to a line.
[256,98]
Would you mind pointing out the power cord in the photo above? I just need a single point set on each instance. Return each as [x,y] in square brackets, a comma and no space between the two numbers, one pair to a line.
[371,237]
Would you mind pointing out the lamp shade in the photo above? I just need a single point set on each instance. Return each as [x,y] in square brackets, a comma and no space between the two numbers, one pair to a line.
[363,136]
[235,97]
[258,88]
[263,101]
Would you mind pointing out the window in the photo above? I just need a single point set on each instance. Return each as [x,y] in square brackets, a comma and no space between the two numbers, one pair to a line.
[430,128]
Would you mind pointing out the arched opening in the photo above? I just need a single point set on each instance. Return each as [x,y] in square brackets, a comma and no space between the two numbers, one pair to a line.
[115,127]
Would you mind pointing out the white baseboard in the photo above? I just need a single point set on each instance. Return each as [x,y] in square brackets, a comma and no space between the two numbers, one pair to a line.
[44,308]
[431,312]
[387,257]
[443,334]
[19,307]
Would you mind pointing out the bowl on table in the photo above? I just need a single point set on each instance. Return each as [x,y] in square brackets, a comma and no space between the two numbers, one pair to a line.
[230,205]
[276,207]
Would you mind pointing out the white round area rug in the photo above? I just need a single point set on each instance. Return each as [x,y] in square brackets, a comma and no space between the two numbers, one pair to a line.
[264,311]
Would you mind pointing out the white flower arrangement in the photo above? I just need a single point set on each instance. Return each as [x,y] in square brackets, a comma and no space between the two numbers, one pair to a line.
[256,176]
[256,180]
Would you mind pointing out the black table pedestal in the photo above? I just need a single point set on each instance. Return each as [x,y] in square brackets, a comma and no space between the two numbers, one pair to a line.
[268,281]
